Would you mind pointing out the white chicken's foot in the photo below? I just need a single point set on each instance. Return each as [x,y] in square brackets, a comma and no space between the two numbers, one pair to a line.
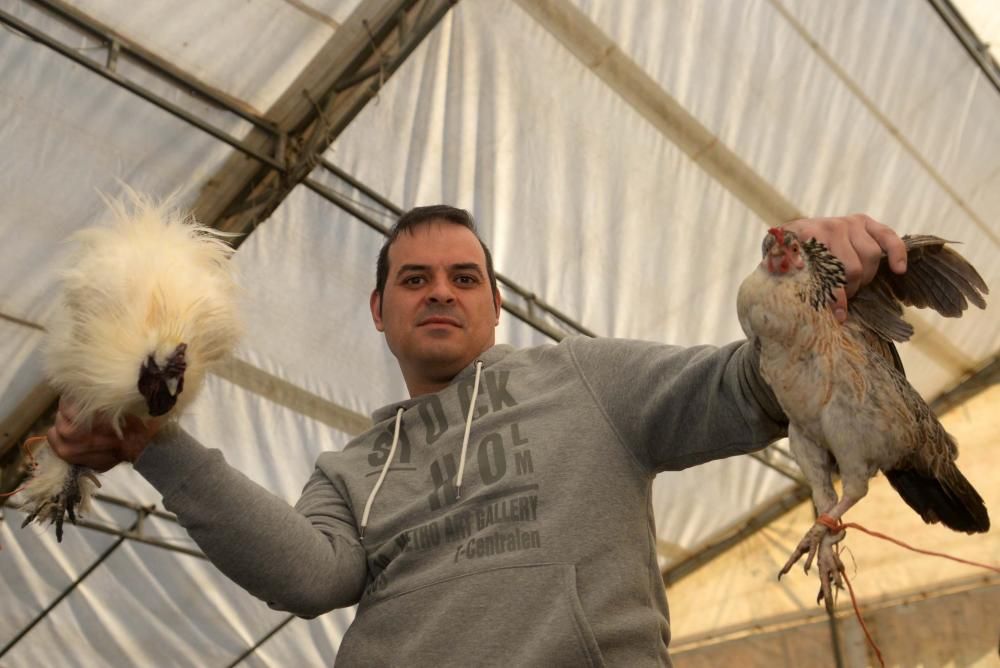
[57,503]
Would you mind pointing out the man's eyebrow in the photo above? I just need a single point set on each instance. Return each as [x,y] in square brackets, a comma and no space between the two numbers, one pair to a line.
[412,267]
[458,266]
[467,266]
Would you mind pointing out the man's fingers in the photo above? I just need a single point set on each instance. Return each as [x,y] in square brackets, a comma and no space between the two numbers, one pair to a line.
[852,270]
[890,242]
[868,257]
[839,305]
[99,462]
[68,409]
[54,439]
[63,425]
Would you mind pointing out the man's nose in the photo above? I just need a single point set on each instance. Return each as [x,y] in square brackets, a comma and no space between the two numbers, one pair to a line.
[441,292]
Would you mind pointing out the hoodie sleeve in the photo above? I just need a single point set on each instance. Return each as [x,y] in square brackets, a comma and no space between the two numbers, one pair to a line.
[306,560]
[676,407]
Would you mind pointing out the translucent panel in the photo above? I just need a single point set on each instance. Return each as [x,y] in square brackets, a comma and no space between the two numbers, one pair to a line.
[302,642]
[22,370]
[149,606]
[211,40]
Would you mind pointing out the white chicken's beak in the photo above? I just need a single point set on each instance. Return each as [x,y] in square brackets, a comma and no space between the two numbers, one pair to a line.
[172,385]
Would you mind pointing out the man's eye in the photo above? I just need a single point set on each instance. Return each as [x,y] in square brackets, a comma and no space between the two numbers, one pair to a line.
[466,279]
[413,280]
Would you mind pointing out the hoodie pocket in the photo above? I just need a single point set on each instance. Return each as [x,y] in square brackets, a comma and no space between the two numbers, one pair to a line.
[513,616]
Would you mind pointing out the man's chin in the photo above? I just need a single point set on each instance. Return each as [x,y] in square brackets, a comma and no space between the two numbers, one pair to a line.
[443,353]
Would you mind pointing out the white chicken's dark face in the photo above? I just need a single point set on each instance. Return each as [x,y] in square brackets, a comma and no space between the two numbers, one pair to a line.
[161,383]
[438,310]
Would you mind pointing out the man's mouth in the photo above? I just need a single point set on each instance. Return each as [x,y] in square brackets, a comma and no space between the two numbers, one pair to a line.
[439,320]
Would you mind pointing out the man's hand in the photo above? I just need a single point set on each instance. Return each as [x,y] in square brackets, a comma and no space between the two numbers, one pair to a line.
[859,242]
[99,447]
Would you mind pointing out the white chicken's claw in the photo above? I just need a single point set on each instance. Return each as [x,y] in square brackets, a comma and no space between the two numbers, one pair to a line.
[87,474]
[58,491]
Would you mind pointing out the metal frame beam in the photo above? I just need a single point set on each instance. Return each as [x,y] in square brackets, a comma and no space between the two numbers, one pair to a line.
[344,76]
[813,615]
[73,585]
[978,50]
[532,300]
[735,535]
[288,142]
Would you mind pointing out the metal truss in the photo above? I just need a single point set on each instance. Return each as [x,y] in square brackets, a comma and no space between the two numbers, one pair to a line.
[134,533]
[283,148]
[278,170]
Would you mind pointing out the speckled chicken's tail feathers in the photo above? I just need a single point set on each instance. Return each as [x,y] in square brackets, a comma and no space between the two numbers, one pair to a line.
[948,498]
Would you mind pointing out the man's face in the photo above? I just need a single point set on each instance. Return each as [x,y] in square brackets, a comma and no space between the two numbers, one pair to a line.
[438,311]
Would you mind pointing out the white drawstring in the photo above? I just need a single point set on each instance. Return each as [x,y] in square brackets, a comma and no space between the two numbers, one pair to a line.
[385,469]
[468,427]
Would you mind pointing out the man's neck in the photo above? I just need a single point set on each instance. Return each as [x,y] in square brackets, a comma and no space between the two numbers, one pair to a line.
[420,382]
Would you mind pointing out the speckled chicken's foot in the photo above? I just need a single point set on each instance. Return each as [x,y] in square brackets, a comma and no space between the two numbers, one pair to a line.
[830,568]
[818,543]
[58,507]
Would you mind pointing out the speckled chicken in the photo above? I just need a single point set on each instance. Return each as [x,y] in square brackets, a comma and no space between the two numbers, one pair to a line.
[843,389]
[148,304]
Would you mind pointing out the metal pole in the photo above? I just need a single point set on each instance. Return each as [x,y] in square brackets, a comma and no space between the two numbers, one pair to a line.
[263,640]
[345,204]
[526,294]
[76,583]
[145,94]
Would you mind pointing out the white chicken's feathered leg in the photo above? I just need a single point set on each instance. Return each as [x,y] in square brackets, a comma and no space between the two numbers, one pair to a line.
[57,490]
[818,543]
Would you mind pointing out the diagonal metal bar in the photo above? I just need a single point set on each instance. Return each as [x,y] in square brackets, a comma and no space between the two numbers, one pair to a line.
[71,588]
[267,636]
[349,207]
[532,299]
[370,46]
[161,102]
[766,458]
[750,526]
[138,537]
[427,14]
[120,46]
[350,49]
[978,50]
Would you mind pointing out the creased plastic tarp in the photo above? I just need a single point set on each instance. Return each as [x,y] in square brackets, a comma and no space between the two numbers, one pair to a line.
[582,201]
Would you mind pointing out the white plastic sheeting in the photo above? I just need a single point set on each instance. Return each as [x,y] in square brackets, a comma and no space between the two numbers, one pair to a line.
[841,107]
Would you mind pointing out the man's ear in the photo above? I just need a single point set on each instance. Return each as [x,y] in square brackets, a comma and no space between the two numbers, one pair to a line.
[375,304]
[497,303]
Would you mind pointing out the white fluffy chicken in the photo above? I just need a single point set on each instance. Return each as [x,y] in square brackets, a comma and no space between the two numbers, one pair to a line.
[148,304]
[843,389]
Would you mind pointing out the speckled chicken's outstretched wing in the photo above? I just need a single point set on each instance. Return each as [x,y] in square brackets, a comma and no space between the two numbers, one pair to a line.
[936,277]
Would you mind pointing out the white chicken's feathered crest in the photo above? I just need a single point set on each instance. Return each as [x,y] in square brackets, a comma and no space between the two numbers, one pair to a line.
[139,286]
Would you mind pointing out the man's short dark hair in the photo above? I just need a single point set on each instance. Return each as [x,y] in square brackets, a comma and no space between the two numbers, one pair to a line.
[421,215]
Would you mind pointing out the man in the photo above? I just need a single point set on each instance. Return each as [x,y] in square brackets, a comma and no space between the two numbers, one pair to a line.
[501,515]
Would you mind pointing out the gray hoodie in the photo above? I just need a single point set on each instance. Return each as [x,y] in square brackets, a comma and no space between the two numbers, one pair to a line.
[545,558]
